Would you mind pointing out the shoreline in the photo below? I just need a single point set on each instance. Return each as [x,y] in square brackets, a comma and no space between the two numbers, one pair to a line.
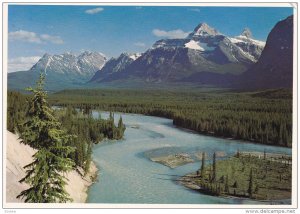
[187,182]
[192,130]
[78,185]
[224,138]
[93,173]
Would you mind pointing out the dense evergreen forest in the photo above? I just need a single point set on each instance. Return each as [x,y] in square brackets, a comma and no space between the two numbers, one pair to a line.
[80,123]
[263,117]
[89,130]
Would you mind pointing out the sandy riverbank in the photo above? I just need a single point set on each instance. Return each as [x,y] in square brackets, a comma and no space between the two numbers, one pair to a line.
[174,160]
[179,158]
[19,155]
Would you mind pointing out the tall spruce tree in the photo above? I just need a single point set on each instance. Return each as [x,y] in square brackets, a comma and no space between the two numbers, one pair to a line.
[121,128]
[214,171]
[202,166]
[250,187]
[226,185]
[42,131]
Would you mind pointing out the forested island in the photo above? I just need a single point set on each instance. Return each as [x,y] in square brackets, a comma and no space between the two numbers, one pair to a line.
[258,176]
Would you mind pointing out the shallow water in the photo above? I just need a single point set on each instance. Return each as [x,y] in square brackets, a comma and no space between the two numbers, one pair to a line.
[128,176]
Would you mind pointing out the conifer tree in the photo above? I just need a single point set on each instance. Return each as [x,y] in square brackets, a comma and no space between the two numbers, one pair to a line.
[202,166]
[42,131]
[214,176]
[120,123]
[250,188]
[121,127]
[226,185]
[88,159]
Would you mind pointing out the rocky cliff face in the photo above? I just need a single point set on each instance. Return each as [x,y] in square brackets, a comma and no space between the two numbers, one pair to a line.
[114,65]
[274,68]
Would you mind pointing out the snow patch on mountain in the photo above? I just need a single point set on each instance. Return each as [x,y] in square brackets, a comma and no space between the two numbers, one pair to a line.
[246,54]
[135,56]
[244,39]
[194,45]
[47,63]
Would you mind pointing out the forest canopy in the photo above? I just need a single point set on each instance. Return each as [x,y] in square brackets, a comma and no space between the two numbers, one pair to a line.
[262,117]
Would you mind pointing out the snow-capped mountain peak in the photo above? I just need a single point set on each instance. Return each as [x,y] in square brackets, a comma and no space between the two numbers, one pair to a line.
[246,37]
[82,66]
[127,56]
[115,65]
[205,49]
[204,29]
[247,33]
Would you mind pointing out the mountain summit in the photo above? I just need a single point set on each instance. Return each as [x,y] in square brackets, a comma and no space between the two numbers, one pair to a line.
[204,57]
[247,33]
[203,52]
[62,70]
[203,29]
[115,65]
[84,65]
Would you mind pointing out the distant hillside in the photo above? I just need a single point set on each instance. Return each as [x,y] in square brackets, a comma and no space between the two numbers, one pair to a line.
[275,94]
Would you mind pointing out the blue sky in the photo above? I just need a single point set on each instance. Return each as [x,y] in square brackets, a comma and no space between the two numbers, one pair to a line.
[35,30]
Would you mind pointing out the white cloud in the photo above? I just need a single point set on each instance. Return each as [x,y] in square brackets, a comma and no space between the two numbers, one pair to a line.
[24,36]
[172,34]
[32,37]
[94,10]
[140,44]
[195,10]
[22,63]
[52,39]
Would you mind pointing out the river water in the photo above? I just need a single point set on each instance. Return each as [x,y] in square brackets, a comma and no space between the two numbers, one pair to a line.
[126,175]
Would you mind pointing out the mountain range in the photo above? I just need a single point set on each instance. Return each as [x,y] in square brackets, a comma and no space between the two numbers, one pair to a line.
[62,71]
[205,50]
[204,57]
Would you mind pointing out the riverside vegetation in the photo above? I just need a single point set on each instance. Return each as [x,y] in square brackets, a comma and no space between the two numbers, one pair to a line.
[80,123]
[262,117]
[260,177]
[63,139]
